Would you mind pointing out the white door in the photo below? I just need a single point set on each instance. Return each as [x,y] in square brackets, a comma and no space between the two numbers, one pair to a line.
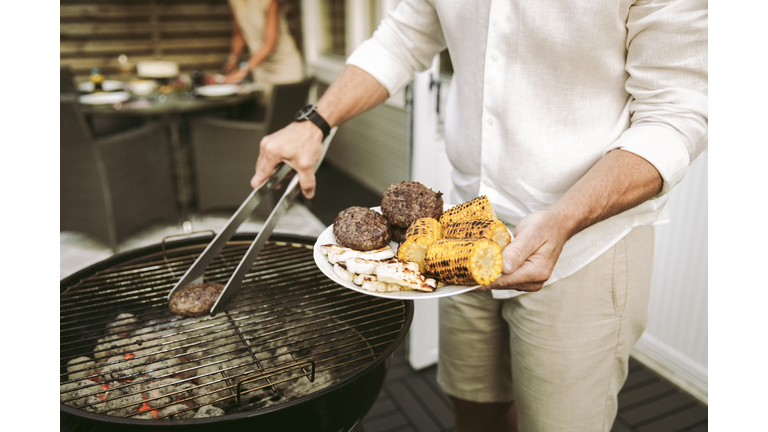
[430,167]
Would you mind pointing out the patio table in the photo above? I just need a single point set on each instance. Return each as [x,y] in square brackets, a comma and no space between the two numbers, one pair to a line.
[171,109]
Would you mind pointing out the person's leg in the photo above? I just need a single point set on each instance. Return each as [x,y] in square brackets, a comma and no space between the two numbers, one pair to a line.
[570,342]
[484,417]
[473,367]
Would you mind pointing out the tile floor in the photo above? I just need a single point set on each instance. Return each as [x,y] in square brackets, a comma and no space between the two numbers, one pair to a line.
[78,250]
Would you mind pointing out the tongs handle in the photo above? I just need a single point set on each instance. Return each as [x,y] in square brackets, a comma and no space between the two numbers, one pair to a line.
[236,280]
[196,271]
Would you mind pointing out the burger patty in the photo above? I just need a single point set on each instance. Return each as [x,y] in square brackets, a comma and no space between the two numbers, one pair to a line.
[398,234]
[404,202]
[361,228]
[195,300]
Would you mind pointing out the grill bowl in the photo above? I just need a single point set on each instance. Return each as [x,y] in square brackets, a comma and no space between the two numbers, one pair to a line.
[138,282]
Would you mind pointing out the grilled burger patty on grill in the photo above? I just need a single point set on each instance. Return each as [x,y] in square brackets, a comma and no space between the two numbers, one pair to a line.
[361,228]
[404,202]
[195,300]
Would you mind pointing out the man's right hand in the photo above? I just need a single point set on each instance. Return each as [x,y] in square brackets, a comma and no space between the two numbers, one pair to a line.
[300,145]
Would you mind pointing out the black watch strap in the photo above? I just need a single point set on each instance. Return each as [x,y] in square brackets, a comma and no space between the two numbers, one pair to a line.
[310,113]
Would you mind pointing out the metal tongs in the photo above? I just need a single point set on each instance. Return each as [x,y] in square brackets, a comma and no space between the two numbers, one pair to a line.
[195,273]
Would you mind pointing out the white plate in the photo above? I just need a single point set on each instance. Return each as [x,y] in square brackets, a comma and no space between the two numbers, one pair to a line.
[108,85]
[217,90]
[104,98]
[326,267]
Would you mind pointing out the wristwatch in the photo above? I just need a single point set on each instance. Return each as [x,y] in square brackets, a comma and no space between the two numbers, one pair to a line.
[309,112]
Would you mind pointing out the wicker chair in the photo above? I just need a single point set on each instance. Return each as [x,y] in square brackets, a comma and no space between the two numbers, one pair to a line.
[113,186]
[67,80]
[225,151]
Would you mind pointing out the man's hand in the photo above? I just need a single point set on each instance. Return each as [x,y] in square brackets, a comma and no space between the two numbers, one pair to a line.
[619,181]
[299,145]
[529,260]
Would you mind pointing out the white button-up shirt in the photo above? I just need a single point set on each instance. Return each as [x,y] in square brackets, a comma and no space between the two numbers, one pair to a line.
[542,90]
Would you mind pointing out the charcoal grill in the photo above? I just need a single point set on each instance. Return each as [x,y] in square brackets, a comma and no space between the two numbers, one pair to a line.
[293,351]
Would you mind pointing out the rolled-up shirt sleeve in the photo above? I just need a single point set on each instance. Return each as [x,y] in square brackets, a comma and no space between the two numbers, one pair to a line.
[405,43]
[668,81]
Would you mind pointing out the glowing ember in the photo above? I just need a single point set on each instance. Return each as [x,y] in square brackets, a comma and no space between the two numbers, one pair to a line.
[129,356]
[145,407]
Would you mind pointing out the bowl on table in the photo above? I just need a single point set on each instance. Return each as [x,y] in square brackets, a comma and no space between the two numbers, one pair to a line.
[142,87]
[107,86]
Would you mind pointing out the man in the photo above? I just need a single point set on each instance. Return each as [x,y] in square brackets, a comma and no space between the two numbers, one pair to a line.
[575,119]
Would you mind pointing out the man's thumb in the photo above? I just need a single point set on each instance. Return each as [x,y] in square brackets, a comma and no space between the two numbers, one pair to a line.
[513,256]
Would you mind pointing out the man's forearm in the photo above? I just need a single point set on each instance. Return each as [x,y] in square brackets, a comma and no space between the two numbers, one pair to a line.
[352,93]
[618,182]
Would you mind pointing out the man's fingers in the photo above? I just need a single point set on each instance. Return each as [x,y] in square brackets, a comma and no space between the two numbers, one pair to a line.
[515,254]
[264,168]
[299,145]
[256,180]
[307,182]
[528,277]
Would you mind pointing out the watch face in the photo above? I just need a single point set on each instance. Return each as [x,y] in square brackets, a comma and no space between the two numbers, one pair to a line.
[303,113]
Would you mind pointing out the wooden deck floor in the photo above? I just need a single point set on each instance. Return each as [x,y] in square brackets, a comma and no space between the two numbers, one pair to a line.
[411,401]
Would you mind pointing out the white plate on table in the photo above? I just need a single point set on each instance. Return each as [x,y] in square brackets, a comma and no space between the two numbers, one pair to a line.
[218,90]
[326,267]
[108,86]
[104,98]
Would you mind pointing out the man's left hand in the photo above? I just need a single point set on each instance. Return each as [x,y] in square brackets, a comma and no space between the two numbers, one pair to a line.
[529,260]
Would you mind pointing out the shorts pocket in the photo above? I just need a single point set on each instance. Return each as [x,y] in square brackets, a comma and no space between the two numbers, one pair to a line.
[620,279]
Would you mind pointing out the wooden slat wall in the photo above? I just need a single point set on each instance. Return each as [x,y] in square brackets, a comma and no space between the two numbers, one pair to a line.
[193,33]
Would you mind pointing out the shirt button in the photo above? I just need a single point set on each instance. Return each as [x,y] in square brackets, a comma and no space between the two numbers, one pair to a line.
[490,121]
[495,57]
[488,183]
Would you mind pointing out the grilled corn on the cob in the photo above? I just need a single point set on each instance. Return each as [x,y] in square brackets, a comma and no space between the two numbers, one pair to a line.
[478,208]
[493,229]
[418,238]
[425,226]
[464,261]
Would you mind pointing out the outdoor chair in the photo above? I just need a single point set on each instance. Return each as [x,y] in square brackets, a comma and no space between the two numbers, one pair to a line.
[225,151]
[67,80]
[114,186]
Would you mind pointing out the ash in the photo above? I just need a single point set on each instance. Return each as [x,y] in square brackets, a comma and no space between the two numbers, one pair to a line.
[190,368]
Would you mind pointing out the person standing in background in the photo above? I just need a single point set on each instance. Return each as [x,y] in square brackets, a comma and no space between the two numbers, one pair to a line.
[261,25]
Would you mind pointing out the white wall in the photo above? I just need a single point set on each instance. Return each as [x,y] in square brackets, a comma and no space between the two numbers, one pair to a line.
[675,341]
[429,166]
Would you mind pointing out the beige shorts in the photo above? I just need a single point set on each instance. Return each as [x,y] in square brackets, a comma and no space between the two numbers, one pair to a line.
[560,353]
